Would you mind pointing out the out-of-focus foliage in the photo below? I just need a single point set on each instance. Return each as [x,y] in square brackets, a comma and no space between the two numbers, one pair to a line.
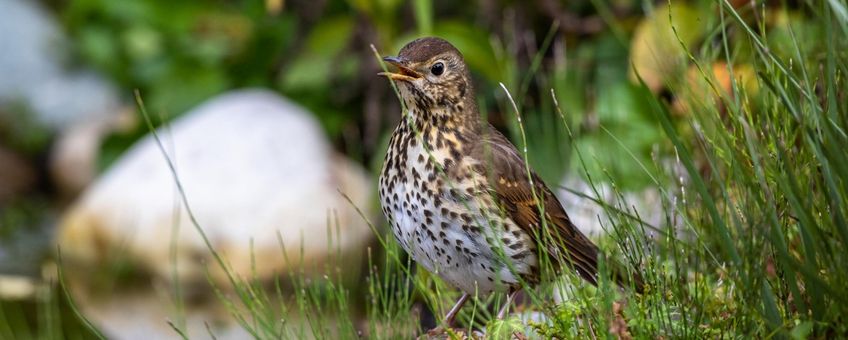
[20,131]
[658,47]
[178,54]
[740,126]
[318,53]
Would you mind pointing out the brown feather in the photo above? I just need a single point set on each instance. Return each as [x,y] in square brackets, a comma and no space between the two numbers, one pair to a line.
[519,197]
[422,49]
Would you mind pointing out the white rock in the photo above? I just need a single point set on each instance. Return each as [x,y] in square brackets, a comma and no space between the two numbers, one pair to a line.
[593,220]
[73,157]
[252,165]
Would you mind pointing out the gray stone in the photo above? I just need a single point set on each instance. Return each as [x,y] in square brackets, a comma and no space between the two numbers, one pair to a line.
[592,219]
[253,166]
[33,73]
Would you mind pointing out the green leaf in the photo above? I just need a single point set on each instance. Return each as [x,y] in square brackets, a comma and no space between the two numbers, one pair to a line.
[184,87]
[802,330]
[424,16]
[655,51]
[330,36]
[99,45]
[142,42]
[313,66]
[619,103]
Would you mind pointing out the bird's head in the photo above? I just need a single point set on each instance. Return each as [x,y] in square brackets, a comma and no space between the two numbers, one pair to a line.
[432,77]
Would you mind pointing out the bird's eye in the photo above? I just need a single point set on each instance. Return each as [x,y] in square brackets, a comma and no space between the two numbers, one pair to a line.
[437,69]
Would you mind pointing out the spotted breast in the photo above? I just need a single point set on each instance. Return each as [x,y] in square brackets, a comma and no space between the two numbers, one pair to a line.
[442,213]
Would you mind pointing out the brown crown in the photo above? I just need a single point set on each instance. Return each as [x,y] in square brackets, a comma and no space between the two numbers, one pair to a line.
[423,49]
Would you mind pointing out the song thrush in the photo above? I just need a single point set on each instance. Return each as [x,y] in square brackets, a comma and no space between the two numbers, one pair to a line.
[458,194]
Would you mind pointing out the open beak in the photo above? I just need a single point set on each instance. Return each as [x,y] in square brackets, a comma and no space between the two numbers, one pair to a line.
[403,73]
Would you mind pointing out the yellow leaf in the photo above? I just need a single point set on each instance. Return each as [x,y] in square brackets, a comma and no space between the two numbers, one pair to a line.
[656,52]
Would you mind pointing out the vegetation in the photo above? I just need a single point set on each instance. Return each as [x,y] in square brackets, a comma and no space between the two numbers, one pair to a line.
[734,112]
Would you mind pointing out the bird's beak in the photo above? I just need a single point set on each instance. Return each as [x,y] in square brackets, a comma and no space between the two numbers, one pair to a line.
[404,73]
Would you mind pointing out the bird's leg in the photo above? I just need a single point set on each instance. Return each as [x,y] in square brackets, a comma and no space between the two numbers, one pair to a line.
[451,315]
[455,310]
[510,296]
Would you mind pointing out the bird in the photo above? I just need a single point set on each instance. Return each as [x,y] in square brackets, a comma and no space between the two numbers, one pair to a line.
[459,197]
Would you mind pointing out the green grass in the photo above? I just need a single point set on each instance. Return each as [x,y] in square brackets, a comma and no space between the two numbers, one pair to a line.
[754,195]
[753,188]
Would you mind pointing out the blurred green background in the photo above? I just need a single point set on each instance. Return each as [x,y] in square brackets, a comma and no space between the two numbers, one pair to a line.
[179,54]
[586,53]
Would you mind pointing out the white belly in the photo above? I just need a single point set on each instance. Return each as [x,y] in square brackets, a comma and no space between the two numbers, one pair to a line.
[450,238]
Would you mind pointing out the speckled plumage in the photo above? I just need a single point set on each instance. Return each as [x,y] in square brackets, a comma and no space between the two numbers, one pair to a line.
[443,213]
[457,193]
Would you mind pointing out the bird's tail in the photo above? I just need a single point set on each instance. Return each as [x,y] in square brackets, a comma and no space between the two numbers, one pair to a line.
[624,279]
[582,256]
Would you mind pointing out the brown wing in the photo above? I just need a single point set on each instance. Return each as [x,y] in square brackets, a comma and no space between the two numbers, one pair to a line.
[519,197]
